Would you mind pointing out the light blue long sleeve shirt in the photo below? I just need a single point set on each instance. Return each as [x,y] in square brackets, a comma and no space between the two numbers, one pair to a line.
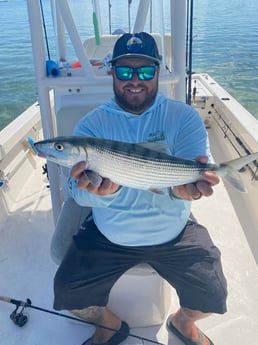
[133,217]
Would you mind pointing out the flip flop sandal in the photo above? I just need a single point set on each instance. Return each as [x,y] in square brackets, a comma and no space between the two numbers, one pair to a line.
[120,335]
[187,341]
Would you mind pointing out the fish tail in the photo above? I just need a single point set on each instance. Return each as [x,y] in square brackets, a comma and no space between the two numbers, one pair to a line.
[228,170]
[237,164]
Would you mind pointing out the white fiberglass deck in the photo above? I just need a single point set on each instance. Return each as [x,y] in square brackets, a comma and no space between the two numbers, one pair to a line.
[26,271]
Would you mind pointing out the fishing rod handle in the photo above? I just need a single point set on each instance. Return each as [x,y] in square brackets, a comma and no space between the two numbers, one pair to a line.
[12,301]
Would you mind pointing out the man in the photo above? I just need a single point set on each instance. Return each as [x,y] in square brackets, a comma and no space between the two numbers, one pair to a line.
[130,226]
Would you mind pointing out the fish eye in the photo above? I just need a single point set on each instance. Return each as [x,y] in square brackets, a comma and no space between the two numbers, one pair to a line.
[59,147]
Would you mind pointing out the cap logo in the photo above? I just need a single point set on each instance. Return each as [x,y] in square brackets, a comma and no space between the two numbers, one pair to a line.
[134,44]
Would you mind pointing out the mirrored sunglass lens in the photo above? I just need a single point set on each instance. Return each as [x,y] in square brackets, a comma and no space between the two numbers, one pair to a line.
[143,73]
[124,73]
[146,72]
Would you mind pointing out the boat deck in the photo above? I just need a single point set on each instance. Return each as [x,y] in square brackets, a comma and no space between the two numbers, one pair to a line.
[27,270]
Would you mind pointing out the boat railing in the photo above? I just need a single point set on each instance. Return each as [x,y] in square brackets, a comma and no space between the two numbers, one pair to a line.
[16,158]
[233,132]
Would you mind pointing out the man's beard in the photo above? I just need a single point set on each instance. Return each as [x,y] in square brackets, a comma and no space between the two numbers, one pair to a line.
[135,107]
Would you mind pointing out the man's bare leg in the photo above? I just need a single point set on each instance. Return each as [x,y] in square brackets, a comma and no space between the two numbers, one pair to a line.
[101,316]
[184,321]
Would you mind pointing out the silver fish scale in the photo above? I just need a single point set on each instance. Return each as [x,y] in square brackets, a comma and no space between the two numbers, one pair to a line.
[140,172]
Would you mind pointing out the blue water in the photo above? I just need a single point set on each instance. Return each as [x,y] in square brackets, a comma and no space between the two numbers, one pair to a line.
[225,46]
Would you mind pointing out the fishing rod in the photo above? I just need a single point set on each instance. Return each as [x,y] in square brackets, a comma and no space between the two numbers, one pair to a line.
[189,49]
[20,319]
[51,66]
[109,16]
[129,14]
[45,29]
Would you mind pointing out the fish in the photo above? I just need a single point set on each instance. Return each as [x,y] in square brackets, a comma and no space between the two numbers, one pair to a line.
[141,165]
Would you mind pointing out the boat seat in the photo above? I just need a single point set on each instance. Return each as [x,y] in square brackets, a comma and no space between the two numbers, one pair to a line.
[70,220]
[140,287]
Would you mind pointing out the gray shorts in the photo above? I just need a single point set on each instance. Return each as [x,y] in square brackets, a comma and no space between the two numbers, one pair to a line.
[190,263]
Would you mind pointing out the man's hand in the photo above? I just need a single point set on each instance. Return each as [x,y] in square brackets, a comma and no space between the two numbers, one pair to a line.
[84,182]
[194,191]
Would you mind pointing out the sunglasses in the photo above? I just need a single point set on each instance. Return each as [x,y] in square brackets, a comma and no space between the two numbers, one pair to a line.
[143,73]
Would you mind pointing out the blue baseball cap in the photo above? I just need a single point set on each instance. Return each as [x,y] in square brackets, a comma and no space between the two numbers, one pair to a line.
[139,45]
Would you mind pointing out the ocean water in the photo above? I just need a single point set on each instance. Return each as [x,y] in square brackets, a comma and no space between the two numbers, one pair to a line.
[225,45]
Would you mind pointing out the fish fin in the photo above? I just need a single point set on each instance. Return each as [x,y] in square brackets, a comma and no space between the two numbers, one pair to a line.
[234,180]
[155,146]
[156,191]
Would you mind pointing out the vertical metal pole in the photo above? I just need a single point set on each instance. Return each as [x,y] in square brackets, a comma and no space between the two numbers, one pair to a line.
[141,15]
[61,41]
[63,8]
[178,32]
[39,54]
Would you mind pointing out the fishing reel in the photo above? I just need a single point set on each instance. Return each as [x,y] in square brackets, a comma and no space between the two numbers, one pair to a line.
[18,317]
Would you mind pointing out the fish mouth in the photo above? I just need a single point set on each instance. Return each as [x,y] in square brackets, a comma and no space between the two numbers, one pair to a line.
[42,155]
[39,152]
